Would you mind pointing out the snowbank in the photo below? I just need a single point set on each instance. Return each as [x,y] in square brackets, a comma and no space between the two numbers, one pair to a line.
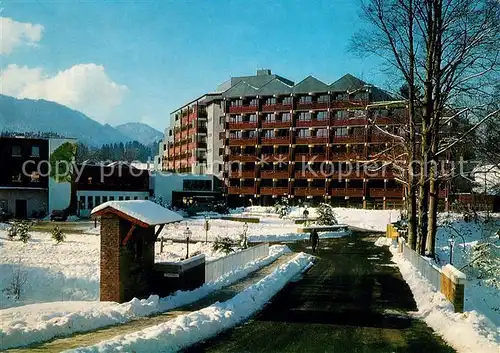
[188,329]
[383,241]
[40,322]
[466,332]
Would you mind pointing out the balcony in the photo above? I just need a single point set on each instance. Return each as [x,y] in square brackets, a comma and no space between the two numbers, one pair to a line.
[192,116]
[311,140]
[242,174]
[393,193]
[242,125]
[276,124]
[312,105]
[350,122]
[243,109]
[278,191]
[270,158]
[246,141]
[341,157]
[349,139]
[242,157]
[274,174]
[191,146]
[380,138]
[281,140]
[243,190]
[269,108]
[308,174]
[184,121]
[301,191]
[311,123]
[348,104]
[380,174]
[382,120]
[201,145]
[310,157]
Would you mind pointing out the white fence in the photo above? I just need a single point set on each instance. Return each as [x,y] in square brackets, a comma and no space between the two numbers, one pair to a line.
[216,268]
[431,272]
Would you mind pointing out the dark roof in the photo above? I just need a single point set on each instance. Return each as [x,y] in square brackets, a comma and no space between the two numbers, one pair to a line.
[347,83]
[310,85]
[241,89]
[274,87]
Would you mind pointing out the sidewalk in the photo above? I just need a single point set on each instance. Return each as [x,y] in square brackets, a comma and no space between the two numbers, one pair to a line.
[94,337]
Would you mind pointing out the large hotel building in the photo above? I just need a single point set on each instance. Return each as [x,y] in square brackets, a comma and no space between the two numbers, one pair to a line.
[267,137]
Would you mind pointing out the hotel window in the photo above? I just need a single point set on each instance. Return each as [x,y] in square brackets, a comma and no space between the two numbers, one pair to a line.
[111,198]
[82,202]
[90,202]
[237,119]
[286,117]
[236,103]
[97,200]
[303,133]
[104,199]
[268,133]
[120,198]
[270,101]
[253,118]
[35,151]
[322,115]
[254,102]
[16,151]
[305,99]
[341,131]
[270,117]
[323,99]
[127,198]
[322,133]
[287,100]
[252,134]
[221,151]
[136,198]
[305,116]
[342,114]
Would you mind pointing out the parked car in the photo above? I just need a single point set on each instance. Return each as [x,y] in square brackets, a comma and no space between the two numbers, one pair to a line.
[58,215]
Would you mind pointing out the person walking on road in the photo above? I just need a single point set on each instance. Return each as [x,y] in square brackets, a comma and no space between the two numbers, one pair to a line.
[314,238]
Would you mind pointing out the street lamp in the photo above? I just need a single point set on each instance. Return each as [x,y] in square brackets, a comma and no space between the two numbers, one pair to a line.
[245,230]
[206,226]
[187,234]
[452,243]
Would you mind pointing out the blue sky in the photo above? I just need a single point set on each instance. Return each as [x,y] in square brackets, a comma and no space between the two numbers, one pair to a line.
[149,57]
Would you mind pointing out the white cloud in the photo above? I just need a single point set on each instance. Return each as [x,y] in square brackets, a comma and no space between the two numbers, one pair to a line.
[84,87]
[14,34]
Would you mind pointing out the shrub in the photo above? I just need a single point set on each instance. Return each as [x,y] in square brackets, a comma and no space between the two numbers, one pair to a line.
[21,230]
[17,282]
[58,235]
[282,207]
[12,232]
[224,244]
[326,215]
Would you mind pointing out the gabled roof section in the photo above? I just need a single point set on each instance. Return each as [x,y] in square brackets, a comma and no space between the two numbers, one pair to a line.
[310,85]
[144,213]
[275,86]
[241,89]
[347,82]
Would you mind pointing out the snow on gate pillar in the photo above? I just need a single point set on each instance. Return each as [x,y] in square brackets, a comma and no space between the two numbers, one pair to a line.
[128,238]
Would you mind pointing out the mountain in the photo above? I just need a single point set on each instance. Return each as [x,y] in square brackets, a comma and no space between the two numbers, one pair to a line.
[140,132]
[28,115]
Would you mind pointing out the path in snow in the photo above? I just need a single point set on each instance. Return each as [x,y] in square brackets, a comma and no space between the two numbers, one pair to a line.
[349,301]
[94,337]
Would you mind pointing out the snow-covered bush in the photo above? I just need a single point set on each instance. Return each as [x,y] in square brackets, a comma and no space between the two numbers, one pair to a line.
[326,215]
[282,207]
[223,244]
[160,201]
[485,262]
[58,235]
[19,278]
[19,229]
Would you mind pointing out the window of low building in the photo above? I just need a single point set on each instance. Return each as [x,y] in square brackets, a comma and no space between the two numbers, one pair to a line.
[16,151]
[35,151]
[287,100]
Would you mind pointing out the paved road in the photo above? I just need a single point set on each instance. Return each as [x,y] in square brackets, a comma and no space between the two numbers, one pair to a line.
[106,333]
[352,300]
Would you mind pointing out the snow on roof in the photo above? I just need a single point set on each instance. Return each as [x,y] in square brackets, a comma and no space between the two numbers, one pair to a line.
[142,210]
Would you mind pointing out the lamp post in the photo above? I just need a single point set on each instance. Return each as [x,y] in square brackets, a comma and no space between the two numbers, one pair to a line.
[452,243]
[245,230]
[206,226]
[187,234]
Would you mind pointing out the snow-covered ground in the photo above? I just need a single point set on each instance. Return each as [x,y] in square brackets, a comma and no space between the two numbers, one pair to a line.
[39,322]
[467,332]
[188,329]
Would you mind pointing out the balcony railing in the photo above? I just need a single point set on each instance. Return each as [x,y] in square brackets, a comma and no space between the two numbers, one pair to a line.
[301,191]
[349,139]
[276,124]
[382,120]
[270,158]
[243,109]
[340,157]
[307,157]
[243,190]
[242,125]
[312,122]
[284,140]
[248,141]
[350,122]
[347,104]
[312,105]
[386,192]
[342,192]
[278,191]
[307,174]
[311,140]
[242,157]
[380,138]
[244,174]
[276,107]
[274,174]
[185,121]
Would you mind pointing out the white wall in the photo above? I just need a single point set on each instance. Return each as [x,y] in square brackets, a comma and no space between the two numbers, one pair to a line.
[214,111]
[163,184]
[59,193]
[131,195]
